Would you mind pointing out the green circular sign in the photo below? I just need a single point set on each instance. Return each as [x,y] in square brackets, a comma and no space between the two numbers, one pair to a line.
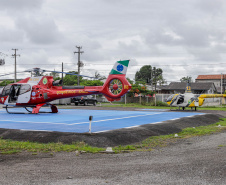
[44,81]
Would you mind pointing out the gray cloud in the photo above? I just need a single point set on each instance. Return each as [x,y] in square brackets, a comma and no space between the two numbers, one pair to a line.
[39,30]
[20,5]
[151,32]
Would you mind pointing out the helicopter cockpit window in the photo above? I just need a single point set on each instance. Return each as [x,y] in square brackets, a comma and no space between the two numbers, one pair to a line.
[25,88]
[14,92]
[169,98]
[6,90]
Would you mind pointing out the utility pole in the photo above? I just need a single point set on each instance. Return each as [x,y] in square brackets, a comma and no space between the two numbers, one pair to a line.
[62,77]
[80,64]
[15,55]
[154,70]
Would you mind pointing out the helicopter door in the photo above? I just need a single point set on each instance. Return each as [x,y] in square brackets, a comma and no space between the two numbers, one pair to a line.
[24,93]
[13,93]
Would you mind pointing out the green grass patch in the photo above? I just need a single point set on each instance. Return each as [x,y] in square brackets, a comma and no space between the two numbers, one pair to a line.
[10,147]
[162,141]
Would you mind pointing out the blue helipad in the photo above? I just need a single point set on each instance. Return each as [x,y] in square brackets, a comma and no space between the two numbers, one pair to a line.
[77,120]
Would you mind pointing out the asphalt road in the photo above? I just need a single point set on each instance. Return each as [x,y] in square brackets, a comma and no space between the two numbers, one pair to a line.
[199,160]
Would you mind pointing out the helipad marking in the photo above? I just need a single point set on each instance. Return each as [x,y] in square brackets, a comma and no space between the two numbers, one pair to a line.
[148,123]
[114,119]
[80,122]
[76,120]
[33,122]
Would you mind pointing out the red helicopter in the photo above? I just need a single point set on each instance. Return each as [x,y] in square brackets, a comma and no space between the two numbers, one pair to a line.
[36,92]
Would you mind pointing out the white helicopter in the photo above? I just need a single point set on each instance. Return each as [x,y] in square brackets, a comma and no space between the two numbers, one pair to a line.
[188,99]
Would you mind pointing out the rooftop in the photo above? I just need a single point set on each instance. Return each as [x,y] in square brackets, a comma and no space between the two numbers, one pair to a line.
[210,77]
[194,86]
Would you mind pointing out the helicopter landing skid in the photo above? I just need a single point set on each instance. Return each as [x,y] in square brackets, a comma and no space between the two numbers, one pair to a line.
[34,111]
[7,110]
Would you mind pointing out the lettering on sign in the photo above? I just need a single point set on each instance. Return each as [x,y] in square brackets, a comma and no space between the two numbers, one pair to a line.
[71,92]
[126,87]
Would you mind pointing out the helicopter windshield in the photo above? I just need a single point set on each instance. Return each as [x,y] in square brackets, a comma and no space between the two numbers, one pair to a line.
[14,91]
[170,98]
[6,90]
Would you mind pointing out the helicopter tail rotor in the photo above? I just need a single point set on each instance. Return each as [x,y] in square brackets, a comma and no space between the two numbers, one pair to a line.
[116,84]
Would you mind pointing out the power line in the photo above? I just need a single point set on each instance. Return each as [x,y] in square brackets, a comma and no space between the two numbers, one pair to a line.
[104,64]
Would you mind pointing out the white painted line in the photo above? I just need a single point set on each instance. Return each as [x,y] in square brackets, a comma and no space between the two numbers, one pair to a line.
[76,123]
[147,123]
[36,130]
[33,122]
[156,122]
[103,131]
[115,119]
[175,119]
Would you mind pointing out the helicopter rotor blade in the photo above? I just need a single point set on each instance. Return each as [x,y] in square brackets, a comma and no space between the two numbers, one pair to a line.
[43,70]
[69,73]
[11,73]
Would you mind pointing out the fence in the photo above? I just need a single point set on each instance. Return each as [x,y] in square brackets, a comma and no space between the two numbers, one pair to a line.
[163,97]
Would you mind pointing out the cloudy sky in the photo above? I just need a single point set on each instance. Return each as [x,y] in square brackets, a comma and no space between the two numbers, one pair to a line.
[183,37]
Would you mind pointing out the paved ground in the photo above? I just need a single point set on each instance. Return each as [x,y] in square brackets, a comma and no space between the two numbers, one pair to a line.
[77,120]
[141,120]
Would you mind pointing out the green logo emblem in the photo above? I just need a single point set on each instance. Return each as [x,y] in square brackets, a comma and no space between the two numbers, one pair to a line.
[44,81]
[189,101]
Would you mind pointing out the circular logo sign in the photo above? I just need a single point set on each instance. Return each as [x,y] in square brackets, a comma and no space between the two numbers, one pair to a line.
[120,67]
[44,81]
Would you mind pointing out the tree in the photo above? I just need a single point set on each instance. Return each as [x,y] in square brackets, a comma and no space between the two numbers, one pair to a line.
[161,80]
[147,73]
[144,73]
[54,75]
[129,80]
[91,83]
[139,88]
[98,76]
[186,79]
[6,82]
[71,79]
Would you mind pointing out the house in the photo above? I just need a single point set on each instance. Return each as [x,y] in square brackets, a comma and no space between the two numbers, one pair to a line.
[216,79]
[159,89]
[197,88]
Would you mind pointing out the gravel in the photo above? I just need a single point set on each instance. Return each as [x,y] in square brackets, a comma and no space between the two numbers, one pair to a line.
[198,160]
